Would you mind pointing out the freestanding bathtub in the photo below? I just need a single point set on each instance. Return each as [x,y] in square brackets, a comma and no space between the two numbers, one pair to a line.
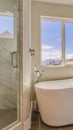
[55,101]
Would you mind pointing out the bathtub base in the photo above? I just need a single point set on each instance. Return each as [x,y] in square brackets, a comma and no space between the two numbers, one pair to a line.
[59,126]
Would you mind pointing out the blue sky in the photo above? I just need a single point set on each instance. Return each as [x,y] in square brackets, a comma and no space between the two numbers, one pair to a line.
[52,35]
[6,24]
[69,37]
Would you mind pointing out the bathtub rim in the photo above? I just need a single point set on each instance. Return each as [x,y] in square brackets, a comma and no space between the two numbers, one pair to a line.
[40,85]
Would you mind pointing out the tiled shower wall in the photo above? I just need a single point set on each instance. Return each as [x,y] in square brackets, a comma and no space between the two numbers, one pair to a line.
[8,90]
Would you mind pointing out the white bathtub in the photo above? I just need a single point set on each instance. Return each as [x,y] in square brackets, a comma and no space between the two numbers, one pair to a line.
[55,101]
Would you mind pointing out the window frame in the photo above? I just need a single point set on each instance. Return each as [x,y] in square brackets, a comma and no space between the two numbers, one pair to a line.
[63,20]
[8,14]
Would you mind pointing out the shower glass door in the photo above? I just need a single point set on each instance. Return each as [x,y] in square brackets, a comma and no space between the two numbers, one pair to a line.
[9,64]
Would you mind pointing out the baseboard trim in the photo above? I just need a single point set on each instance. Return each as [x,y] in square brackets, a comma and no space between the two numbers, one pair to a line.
[27,124]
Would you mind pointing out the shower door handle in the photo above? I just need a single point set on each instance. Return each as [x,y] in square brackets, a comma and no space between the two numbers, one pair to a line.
[14,59]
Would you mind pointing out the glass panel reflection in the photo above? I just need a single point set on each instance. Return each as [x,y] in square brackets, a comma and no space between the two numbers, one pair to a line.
[9,70]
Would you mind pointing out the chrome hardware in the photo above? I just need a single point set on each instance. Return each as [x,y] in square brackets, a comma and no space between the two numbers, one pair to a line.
[37,74]
[14,59]
[32,51]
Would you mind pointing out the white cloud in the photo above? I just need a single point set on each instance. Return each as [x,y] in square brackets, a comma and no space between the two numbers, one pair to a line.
[47,47]
[49,52]
[69,56]
[54,54]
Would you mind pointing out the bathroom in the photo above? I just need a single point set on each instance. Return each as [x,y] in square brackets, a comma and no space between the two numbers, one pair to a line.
[24,47]
[45,44]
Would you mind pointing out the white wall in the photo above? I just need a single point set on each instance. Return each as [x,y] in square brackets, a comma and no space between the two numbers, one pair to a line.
[8,5]
[55,10]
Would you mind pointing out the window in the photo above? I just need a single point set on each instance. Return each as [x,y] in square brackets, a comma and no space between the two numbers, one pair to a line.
[69,43]
[56,34]
[6,25]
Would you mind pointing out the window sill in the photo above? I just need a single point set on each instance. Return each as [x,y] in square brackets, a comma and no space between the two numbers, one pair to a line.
[68,65]
[52,66]
[57,66]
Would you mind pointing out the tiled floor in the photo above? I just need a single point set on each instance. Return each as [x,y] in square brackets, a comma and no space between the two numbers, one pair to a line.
[37,124]
[7,117]
[42,126]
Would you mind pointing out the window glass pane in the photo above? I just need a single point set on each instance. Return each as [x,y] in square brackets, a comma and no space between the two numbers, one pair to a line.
[6,26]
[51,42]
[69,43]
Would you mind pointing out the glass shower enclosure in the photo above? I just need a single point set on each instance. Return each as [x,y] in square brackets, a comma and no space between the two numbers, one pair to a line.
[9,62]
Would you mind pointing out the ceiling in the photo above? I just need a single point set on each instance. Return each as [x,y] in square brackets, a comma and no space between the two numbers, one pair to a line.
[68,2]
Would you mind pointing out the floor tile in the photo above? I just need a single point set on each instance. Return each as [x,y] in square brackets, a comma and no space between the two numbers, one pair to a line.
[37,124]
[7,116]
[46,127]
[67,128]
[41,126]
